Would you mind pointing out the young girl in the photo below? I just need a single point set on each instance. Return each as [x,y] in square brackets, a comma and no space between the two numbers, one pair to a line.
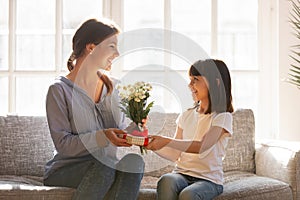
[201,136]
[84,119]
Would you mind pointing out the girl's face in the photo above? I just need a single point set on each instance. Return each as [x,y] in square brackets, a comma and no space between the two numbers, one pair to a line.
[199,87]
[104,53]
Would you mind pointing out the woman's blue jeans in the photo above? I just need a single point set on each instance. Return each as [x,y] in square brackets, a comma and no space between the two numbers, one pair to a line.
[173,186]
[94,180]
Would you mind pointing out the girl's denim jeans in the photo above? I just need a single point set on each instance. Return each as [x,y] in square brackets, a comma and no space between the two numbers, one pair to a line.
[173,186]
[94,180]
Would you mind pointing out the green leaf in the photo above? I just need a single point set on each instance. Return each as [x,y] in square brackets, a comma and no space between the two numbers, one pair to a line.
[294,82]
[294,19]
[295,76]
[147,110]
[295,68]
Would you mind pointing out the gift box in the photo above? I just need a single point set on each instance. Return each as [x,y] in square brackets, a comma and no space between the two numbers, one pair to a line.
[135,140]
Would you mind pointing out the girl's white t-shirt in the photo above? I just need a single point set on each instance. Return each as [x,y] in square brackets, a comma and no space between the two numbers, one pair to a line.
[208,164]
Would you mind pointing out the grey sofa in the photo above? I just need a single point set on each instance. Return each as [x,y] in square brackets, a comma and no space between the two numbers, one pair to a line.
[252,171]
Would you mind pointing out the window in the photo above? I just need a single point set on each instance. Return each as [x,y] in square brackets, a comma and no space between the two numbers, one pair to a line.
[4,56]
[35,43]
[223,29]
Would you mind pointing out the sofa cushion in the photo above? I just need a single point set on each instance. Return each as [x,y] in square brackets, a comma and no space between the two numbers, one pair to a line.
[29,180]
[279,160]
[248,186]
[149,182]
[26,145]
[17,191]
[238,185]
[30,187]
[241,147]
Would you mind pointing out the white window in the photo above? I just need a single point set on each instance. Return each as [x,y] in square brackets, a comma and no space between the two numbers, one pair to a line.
[224,29]
[35,43]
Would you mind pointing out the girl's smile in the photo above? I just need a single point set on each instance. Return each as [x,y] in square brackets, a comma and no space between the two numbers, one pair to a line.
[199,87]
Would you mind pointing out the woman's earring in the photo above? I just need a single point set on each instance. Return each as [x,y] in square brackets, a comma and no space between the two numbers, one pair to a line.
[91,51]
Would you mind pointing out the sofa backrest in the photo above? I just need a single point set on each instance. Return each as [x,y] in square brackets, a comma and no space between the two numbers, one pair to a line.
[26,145]
[240,150]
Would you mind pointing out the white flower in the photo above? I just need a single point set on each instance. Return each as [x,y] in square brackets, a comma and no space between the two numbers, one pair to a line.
[137,100]
[142,97]
[138,91]
[122,95]
[131,89]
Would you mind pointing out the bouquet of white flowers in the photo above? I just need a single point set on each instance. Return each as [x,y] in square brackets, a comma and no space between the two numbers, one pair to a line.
[134,105]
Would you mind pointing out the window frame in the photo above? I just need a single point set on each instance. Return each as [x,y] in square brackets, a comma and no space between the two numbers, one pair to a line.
[266,113]
[113,9]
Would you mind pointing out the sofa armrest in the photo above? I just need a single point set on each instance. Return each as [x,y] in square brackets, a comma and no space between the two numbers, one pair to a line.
[280,160]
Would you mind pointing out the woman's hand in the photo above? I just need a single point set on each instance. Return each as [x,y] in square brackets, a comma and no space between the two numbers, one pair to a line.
[112,135]
[157,142]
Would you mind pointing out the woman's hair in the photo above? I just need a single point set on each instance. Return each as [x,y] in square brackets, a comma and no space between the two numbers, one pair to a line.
[92,31]
[219,84]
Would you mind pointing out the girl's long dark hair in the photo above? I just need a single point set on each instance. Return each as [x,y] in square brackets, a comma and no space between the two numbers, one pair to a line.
[219,84]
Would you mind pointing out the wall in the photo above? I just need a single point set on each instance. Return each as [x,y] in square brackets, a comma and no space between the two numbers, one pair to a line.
[289,95]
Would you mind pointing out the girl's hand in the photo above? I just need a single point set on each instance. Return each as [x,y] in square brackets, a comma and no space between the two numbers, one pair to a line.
[157,142]
[112,135]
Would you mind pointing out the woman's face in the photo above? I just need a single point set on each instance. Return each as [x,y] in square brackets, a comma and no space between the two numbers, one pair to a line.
[104,53]
[199,87]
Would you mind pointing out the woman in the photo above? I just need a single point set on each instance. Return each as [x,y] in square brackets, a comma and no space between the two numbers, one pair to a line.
[201,136]
[84,120]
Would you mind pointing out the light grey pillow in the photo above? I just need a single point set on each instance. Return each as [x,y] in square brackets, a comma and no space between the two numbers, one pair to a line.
[26,145]
[241,146]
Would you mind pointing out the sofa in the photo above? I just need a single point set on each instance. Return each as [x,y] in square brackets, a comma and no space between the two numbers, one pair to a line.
[252,170]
